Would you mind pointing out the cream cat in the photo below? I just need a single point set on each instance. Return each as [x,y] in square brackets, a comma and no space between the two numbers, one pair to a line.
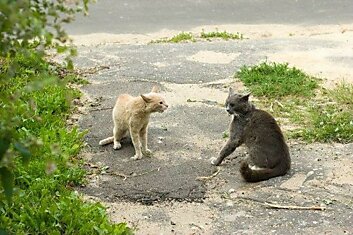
[132,114]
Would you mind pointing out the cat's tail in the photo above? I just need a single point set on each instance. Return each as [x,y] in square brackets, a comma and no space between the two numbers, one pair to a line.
[107,141]
[256,175]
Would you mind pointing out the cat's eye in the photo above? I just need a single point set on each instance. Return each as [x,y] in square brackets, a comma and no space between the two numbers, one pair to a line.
[161,102]
[231,105]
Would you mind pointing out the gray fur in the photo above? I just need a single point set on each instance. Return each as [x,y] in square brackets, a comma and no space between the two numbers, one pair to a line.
[259,131]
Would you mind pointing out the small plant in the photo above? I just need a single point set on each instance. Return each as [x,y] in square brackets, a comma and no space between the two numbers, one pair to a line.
[223,35]
[181,37]
[277,80]
[225,134]
[189,37]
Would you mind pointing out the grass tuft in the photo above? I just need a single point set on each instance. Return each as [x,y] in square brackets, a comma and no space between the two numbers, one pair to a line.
[189,37]
[223,35]
[275,80]
[181,37]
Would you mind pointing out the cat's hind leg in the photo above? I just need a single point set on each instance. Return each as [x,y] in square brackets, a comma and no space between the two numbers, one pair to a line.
[118,135]
[253,173]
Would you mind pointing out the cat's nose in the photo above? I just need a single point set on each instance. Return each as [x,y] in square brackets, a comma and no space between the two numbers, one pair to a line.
[166,105]
[228,110]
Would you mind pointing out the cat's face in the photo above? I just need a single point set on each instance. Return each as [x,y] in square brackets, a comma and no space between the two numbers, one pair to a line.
[237,103]
[155,102]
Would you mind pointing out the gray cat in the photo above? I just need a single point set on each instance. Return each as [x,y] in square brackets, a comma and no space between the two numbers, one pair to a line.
[258,130]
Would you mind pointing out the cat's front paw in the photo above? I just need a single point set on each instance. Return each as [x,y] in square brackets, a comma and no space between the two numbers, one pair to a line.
[147,153]
[136,157]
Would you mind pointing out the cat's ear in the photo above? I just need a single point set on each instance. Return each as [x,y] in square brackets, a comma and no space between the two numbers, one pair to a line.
[156,89]
[146,98]
[231,91]
[245,97]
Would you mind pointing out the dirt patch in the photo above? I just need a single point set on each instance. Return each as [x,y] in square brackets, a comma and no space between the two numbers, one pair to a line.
[212,57]
[184,94]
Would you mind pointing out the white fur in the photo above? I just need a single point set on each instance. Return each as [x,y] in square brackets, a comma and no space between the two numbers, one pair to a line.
[255,168]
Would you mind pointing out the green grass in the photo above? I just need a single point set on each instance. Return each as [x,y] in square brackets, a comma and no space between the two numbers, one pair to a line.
[189,37]
[342,95]
[331,120]
[275,80]
[318,119]
[313,114]
[223,35]
[44,201]
[181,37]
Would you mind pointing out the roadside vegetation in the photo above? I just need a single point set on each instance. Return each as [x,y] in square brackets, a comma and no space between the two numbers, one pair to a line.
[181,37]
[190,37]
[222,35]
[39,163]
[311,112]
[274,80]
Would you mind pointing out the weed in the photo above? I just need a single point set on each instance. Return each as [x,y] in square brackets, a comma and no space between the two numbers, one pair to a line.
[277,80]
[225,134]
[223,35]
[181,37]
[189,37]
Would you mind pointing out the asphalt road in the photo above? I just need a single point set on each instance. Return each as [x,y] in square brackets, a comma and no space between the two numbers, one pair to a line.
[136,16]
